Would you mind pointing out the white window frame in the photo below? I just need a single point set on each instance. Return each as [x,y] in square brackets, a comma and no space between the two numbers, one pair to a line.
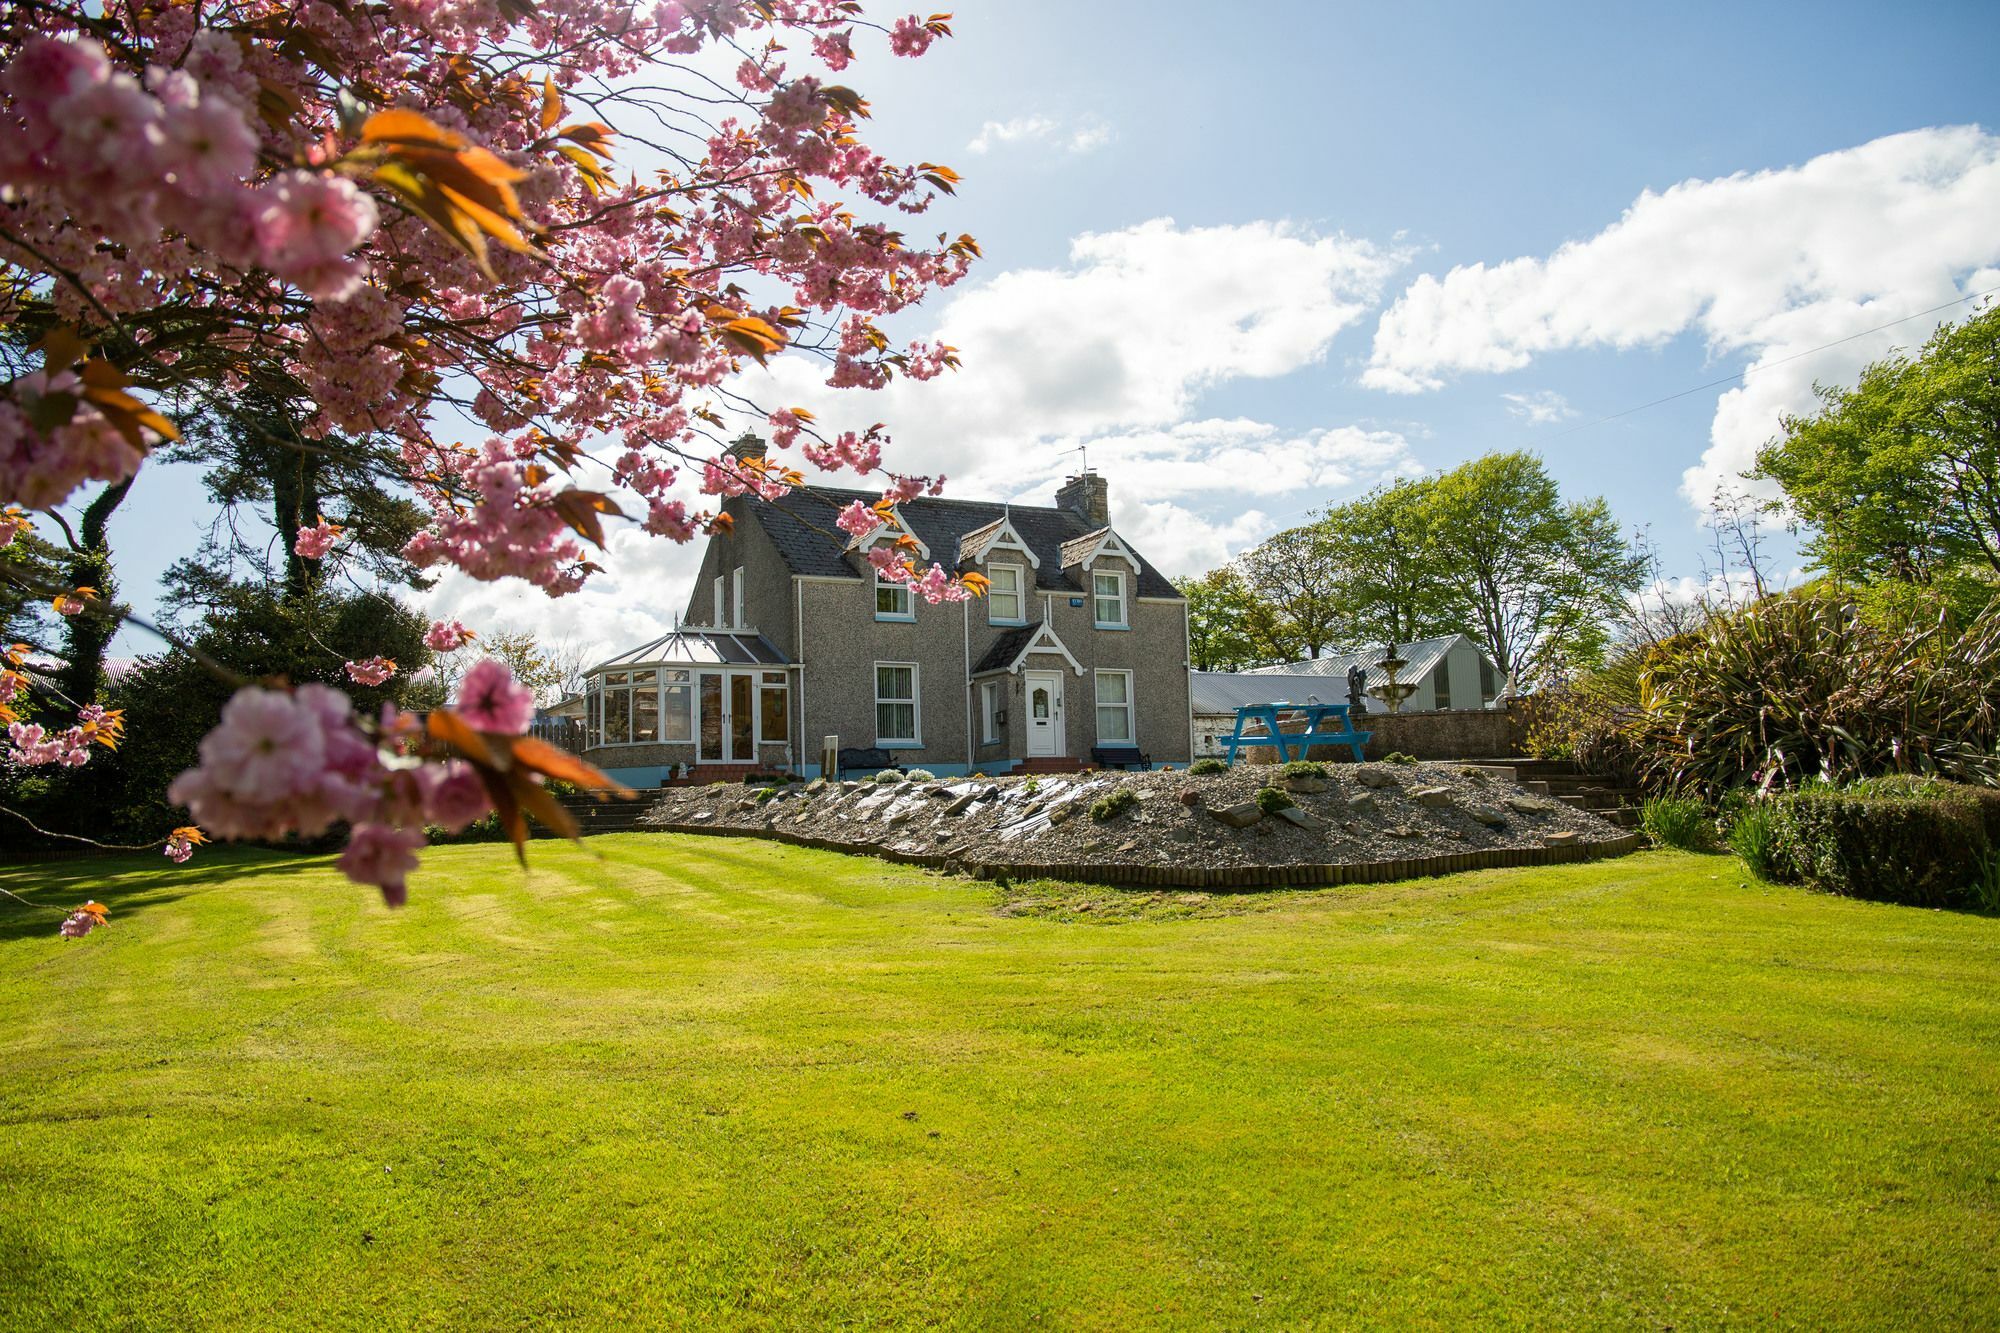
[989,711]
[1124,620]
[1131,736]
[736,620]
[682,679]
[915,701]
[909,611]
[717,620]
[1020,595]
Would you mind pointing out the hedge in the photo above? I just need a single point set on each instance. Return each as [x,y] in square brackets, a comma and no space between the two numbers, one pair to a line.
[1919,843]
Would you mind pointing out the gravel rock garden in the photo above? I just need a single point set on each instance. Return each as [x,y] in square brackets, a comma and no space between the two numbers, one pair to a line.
[1245,817]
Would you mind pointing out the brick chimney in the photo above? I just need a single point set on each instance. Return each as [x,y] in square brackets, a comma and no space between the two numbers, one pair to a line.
[1087,494]
[748,445]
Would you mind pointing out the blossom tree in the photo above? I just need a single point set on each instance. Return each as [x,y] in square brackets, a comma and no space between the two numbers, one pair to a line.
[528,242]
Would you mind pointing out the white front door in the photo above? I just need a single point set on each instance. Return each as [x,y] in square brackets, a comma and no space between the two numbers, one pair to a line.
[1045,725]
[728,727]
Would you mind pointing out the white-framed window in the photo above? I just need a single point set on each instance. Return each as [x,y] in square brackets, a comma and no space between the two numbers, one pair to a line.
[676,705]
[896,717]
[640,707]
[774,714]
[1114,707]
[718,621]
[989,712]
[736,620]
[1006,601]
[1107,599]
[892,600]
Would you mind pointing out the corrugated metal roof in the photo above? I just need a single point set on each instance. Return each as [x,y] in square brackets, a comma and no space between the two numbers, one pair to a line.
[1422,654]
[698,647]
[1227,691]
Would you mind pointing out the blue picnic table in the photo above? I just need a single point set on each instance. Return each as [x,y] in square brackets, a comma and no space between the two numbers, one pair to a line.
[1326,724]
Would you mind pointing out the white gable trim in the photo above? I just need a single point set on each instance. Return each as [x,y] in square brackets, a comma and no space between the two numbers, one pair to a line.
[1006,539]
[1107,544]
[1042,642]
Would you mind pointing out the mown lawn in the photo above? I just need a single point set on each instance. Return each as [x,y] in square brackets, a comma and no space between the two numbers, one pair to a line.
[671,1081]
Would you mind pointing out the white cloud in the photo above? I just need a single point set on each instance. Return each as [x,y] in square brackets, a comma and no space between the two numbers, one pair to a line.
[1542,408]
[1083,137]
[1110,352]
[1768,263]
[643,588]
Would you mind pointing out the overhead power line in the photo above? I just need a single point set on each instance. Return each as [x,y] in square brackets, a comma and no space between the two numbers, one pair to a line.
[1766,365]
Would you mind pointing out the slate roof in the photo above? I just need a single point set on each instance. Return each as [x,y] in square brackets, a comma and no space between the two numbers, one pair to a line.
[801,526]
[1006,648]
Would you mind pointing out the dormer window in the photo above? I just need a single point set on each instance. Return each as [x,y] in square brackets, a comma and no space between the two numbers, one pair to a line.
[893,601]
[1006,599]
[1107,599]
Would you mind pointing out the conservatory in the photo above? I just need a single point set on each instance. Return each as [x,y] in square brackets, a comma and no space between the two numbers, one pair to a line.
[694,697]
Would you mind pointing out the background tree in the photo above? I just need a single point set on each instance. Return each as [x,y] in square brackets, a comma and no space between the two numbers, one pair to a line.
[1543,577]
[1395,585]
[1296,576]
[1221,615]
[1897,479]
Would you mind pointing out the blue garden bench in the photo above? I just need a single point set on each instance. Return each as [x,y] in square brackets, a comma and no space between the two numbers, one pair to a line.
[1326,724]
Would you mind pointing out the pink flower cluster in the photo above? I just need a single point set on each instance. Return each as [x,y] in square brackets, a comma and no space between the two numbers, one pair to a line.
[314,542]
[858,519]
[491,699]
[179,847]
[297,761]
[513,528]
[34,746]
[83,920]
[39,468]
[447,636]
[371,671]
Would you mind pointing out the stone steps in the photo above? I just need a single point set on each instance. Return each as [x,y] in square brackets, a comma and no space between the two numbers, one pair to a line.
[1569,784]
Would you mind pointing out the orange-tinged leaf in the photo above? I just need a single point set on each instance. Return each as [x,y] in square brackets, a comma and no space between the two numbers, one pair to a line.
[975,583]
[552,106]
[449,728]
[61,348]
[541,757]
[401,125]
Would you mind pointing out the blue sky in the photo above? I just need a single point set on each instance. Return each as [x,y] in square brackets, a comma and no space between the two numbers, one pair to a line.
[1251,334]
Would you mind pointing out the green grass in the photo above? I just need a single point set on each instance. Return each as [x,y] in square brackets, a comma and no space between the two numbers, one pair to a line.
[663,1081]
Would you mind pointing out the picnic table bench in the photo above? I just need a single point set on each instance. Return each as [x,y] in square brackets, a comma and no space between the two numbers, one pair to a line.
[1326,724]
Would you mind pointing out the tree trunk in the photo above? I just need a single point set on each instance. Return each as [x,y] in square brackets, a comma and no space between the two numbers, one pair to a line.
[85,637]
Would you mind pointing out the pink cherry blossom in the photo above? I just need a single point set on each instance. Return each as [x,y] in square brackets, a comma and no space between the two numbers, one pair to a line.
[179,848]
[492,700]
[858,519]
[314,542]
[447,636]
[371,671]
[382,855]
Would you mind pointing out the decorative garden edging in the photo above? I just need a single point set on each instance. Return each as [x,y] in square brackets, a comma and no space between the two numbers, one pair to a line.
[1194,877]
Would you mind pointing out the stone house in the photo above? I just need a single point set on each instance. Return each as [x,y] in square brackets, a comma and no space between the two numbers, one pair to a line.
[789,638]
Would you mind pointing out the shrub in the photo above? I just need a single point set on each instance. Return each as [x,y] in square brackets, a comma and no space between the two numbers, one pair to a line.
[1398,757]
[765,794]
[1304,768]
[1678,821]
[1904,846]
[1203,767]
[1117,803]
[1753,836]
[1271,800]
[1805,686]
[887,775]
[1031,786]
[920,775]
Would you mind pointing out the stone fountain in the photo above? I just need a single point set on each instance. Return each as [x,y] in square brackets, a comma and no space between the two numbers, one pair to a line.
[1392,692]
